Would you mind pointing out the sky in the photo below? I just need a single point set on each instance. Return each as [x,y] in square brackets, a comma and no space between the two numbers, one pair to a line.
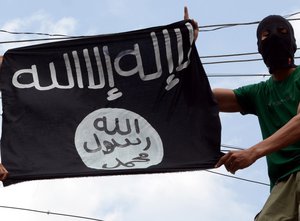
[190,196]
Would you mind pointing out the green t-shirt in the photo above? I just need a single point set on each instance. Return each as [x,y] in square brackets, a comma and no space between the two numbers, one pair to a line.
[274,103]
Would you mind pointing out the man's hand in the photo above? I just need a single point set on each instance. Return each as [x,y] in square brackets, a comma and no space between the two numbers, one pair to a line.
[236,160]
[3,172]
[194,23]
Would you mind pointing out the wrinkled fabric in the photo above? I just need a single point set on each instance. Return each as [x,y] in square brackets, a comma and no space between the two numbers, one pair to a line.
[126,103]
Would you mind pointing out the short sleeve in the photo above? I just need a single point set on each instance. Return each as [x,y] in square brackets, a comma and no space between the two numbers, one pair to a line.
[246,98]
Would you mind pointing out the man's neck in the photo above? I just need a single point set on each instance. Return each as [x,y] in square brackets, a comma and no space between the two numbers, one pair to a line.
[282,74]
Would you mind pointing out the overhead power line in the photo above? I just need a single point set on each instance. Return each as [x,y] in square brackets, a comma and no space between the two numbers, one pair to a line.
[201,28]
[215,27]
[49,213]
[38,39]
[231,61]
[208,28]
[236,75]
[232,147]
[204,63]
[32,33]
[204,28]
[236,61]
[238,178]
[290,15]
[231,55]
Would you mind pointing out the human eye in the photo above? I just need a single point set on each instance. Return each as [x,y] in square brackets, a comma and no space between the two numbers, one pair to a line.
[264,35]
[282,30]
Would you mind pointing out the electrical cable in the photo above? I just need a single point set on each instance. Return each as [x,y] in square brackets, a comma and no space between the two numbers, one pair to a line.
[32,33]
[50,213]
[38,39]
[217,27]
[231,61]
[231,55]
[213,26]
[232,147]
[201,57]
[290,15]
[236,75]
[237,61]
[204,63]
[238,178]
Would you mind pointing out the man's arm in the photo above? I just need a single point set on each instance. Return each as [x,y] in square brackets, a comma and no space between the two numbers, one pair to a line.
[226,100]
[287,135]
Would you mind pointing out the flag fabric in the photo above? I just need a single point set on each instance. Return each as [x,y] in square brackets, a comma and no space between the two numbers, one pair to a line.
[125,103]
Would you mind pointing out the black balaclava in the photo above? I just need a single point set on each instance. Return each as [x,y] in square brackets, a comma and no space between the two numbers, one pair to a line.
[278,48]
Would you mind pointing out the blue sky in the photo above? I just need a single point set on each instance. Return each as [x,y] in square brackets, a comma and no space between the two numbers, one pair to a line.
[179,196]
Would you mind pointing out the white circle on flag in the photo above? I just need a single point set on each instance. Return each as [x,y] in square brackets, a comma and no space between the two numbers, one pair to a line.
[114,138]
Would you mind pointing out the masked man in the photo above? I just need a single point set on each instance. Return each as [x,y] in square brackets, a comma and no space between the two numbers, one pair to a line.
[276,104]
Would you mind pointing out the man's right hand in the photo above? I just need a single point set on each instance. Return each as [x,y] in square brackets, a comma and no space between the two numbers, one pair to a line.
[194,23]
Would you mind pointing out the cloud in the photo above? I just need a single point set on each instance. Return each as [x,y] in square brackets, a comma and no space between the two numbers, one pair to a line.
[37,22]
[180,196]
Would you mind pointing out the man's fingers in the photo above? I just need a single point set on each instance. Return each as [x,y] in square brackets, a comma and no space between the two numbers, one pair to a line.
[228,161]
[3,177]
[3,172]
[223,159]
[186,13]
[194,23]
[231,167]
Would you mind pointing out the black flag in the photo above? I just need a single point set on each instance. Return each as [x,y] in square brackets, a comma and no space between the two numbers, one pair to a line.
[126,103]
